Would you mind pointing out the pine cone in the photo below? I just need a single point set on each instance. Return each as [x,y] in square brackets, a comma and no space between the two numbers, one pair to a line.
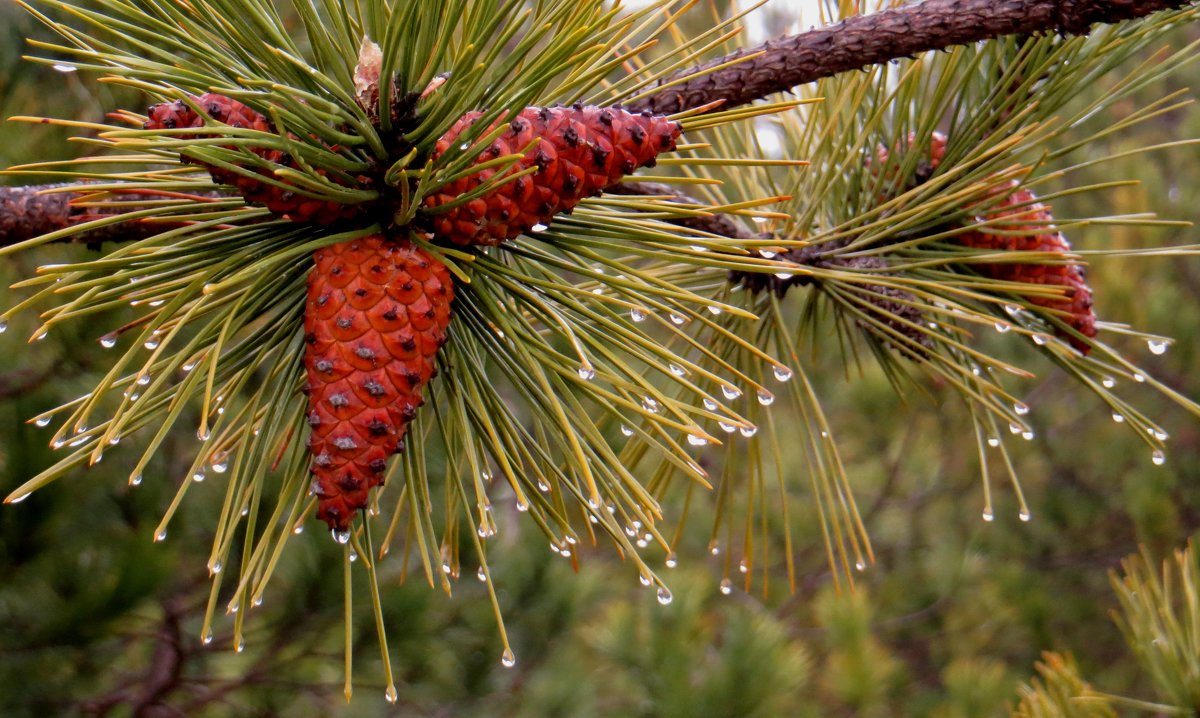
[296,207]
[580,152]
[1022,208]
[376,314]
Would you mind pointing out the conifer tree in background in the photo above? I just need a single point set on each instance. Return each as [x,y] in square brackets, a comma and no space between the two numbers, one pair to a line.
[432,229]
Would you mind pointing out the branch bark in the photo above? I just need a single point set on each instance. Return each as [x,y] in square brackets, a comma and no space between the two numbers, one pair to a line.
[775,66]
[864,40]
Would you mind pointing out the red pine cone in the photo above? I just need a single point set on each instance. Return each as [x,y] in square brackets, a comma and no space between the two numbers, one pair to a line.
[1023,209]
[580,152]
[376,314]
[296,207]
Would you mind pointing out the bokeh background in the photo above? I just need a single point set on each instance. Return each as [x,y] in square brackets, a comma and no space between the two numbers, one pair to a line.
[97,619]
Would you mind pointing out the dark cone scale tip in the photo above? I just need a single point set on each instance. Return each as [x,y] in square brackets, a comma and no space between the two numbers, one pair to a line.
[281,201]
[578,152]
[376,314]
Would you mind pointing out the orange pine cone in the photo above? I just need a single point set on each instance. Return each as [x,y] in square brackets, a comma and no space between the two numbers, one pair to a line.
[376,314]
[1022,207]
[296,207]
[580,151]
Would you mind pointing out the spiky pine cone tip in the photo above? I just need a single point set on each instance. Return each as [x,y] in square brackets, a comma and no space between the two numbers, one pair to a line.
[281,201]
[376,314]
[578,151]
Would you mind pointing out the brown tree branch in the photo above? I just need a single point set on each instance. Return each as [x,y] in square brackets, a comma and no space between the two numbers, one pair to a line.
[864,40]
[775,66]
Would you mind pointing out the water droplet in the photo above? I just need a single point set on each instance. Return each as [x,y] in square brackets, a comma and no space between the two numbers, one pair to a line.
[135,480]
[767,253]
[77,442]
[20,498]
[1012,310]
[1024,515]
[730,391]
[391,695]
[677,370]
[860,565]
[539,227]
[161,536]
[464,146]
[507,659]
[298,530]
[42,422]
[188,367]
[143,380]
[676,319]
[353,556]
[650,404]
[134,397]
[203,434]
[765,397]
[644,579]
[151,343]
[696,440]
[1158,346]
[1015,428]
[727,428]
[1158,457]
[1118,417]
[241,645]
[782,373]
[743,567]
[1159,434]
[993,441]
[108,341]
[637,315]
[3,325]
[1021,408]
[664,595]
[671,561]
[748,431]
[726,586]
[1108,382]
[113,441]
[626,431]
[342,537]
[1027,435]
[715,311]
[215,567]
[198,476]
[988,515]
[1003,327]
[543,486]
[710,404]
[257,601]
[157,303]
[219,466]
[586,372]
[64,68]
[1039,339]
[714,548]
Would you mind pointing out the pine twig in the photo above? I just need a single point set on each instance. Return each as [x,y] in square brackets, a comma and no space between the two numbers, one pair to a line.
[864,40]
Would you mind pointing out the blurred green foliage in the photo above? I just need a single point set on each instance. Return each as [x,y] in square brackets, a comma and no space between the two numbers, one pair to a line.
[97,619]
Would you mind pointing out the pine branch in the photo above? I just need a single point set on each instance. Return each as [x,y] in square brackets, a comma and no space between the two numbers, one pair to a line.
[27,212]
[864,40]
[775,66]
